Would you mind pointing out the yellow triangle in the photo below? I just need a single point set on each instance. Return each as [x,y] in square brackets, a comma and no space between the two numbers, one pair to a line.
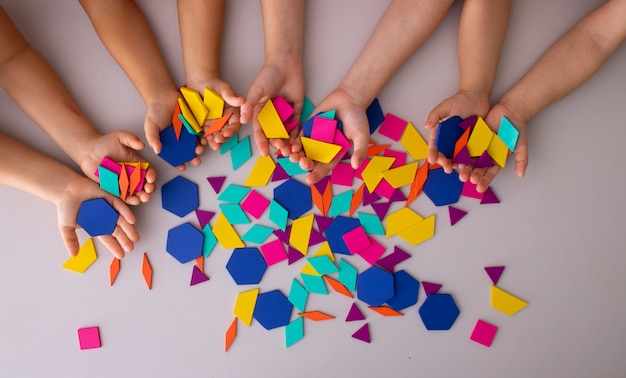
[270,122]
[413,142]
[301,233]
[324,250]
[244,306]
[479,138]
[373,172]
[197,107]
[261,172]
[505,302]
[420,231]
[400,220]
[226,234]
[214,103]
[83,260]
[317,150]
[402,175]
[308,269]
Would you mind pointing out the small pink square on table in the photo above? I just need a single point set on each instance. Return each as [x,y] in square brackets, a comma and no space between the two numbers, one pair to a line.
[255,204]
[384,189]
[372,253]
[356,240]
[399,155]
[392,127]
[484,333]
[273,252]
[324,129]
[342,174]
[89,338]
[359,171]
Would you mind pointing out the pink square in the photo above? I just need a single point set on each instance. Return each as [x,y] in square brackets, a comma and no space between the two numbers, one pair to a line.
[392,127]
[273,252]
[484,333]
[255,204]
[290,124]
[356,240]
[89,338]
[283,108]
[469,190]
[372,253]
[341,140]
[384,189]
[359,172]
[400,157]
[342,174]
[324,129]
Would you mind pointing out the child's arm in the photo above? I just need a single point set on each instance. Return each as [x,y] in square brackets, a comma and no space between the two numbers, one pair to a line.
[24,168]
[404,27]
[568,63]
[35,87]
[201,23]
[482,29]
[282,71]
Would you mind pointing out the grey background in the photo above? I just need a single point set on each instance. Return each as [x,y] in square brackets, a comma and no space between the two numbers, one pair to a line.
[559,231]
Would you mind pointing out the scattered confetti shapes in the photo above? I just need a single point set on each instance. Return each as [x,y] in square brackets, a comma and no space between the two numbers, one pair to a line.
[231,335]
[273,252]
[146,271]
[494,273]
[484,333]
[197,276]
[97,217]
[272,309]
[89,338]
[386,311]
[244,306]
[505,302]
[114,269]
[86,256]
[438,312]
[456,214]
[363,333]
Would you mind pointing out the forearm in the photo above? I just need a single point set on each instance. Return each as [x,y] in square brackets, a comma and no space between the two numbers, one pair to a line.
[482,29]
[126,34]
[403,28]
[569,62]
[283,29]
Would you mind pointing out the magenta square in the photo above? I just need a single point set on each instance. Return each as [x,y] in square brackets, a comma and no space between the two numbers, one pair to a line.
[399,155]
[384,189]
[356,240]
[359,172]
[273,252]
[283,108]
[469,190]
[484,333]
[341,140]
[342,174]
[255,204]
[372,253]
[324,129]
[392,127]
[89,338]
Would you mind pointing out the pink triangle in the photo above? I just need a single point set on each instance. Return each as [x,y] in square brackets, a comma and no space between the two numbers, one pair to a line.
[363,333]
[468,122]
[354,314]
[484,161]
[316,238]
[430,288]
[381,209]
[395,258]
[323,222]
[293,255]
[369,197]
[494,273]
[279,173]
[216,182]
[283,235]
[455,214]
[397,196]
[197,276]
[463,157]
[204,217]
[489,197]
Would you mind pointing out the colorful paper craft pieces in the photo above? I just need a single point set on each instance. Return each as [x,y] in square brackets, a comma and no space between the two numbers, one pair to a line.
[97,217]
[484,161]
[177,151]
[86,256]
[298,295]
[363,333]
[323,265]
[371,223]
[401,220]
[293,255]
[319,151]
[455,214]
[184,243]
[484,333]
[188,116]
[295,197]
[438,312]
[356,240]
[461,144]
[505,302]
[218,124]
[146,271]
[180,196]
[401,176]
[229,144]
[197,276]
[273,252]
[231,334]
[114,269]
[340,203]
[234,213]
[443,188]
[494,273]
[414,143]
[210,241]
[177,124]
[406,291]
[270,122]
[195,104]
[374,286]
[216,183]
[508,133]
[244,306]
[316,316]
[272,309]
[314,284]
[301,233]
[307,109]
[489,197]
[392,127]
[479,138]
[89,338]
[342,174]
[375,115]
[335,231]
[381,209]
[463,157]
[241,153]
[246,266]
[430,288]
[373,173]
[469,190]
[385,311]
[338,286]
[419,232]
[354,314]
[292,169]
[234,193]
[498,150]
[109,181]
[204,217]
[468,122]
[225,233]
[396,257]
[261,172]
[372,253]
[257,234]
[214,102]
[294,332]
[278,215]
[448,133]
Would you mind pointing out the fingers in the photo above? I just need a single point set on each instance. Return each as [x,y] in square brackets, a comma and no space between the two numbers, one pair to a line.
[360,142]
[123,210]
[70,239]
[433,152]
[152,136]
[130,140]
[521,160]
[260,139]
[321,171]
[256,95]
[487,177]
[149,185]
[113,245]
[440,112]
[231,98]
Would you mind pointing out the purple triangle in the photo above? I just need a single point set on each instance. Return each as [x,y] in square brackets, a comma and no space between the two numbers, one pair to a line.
[316,238]
[346,156]
[494,273]
[397,196]
[393,259]
[463,157]
[369,197]
[283,235]
[321,184]
[363,333]
[204,217]
[381,209]
[455,214]
[354,314]
[430,288]
[279,173]
[197,276]
[216,182]
[468,122]
[293,255]
[323,222]
[489,197]
[484,161]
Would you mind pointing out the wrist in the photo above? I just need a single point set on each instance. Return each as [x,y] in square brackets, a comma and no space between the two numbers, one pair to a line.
[355,92]
[516,107]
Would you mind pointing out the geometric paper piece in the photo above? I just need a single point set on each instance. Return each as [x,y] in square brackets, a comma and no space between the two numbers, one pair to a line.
[273,252]
[323,265]
[386,311]
[381,209]
[375,286]
[371,223]
[229,144]
[316,315]
[89,338]
[508,133]
[448,133]
[214,103]
[301,233]
[234,193]
[210,241]
[498,150]
[468,122]
[385,189]
[298,295]
[401,220]
[197,276]
[469,190]
[484,161]
[463,157]
[294,332]
[414,143]
[86,256]
[272,309]
[257,234]
[363,333]
[356,240]
[204,217]
[483,333]
[392,127]
[443,188]
[114,269]
[375,115]
[295,197]
[455,214]
[291,168]
[177,124]
[109,181]
[342,174]
[179,196]
[314,284]
[347,275]
[373,172]
[323,129]
[430,288]
[231,334]
[354,314]
[177,151]
[479,139]
[489,197]
[97,217]
[340,203]
[494,273]
[217,125]
[189,118]
[261,172]
[338,286]
[216,183]
[278,215]
[293,255]
[505,302]
[461,144]
[336,230]
[244,306]
[279,173]
[185,243]
[398,155]
[319,151]
[418,184]
[438,312]
[270,122]
[402,175]
[357,199]
[234,213]
[396,257]
[283,108]
[406,291]
[146,271]
[372,253]
[419,232]
[225,233]
[246,266]
[241,153]
[194,101]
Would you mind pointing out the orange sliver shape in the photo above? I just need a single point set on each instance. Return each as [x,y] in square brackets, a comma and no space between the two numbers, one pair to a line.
[357,198]
[434,166]
[231,334]
[218,124]
[317,198]
[338,287]
[123,182]
[176,122]
[418,183]
[386,311]
[461,142]
[377,149]
[200,263]
[316,315]
[114,269]
[327,197]
[135,178]
[146,270]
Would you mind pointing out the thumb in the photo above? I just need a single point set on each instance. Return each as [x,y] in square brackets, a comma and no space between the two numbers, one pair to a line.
[70,239]
[130,140]
[439,113]
[360,141]
[152,136]
[256,94]
[231,98]
[521,161]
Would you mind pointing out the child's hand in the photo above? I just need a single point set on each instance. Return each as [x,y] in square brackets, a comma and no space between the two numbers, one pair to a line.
[232,104]
[159,117]
[351,111]
[81,189]
[462,104]
[484,176]
[119,146]
[275,79]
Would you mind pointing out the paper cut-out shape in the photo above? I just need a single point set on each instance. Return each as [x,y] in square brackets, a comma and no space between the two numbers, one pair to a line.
[86,256]
[234,213]
[448,132]
[194,101]
[177,151]
[340,203]
[354,314]
[241,153]
[97,217]
[356,240]
[177,124]
[197,276]
[342,174]
[114,269]
[272,309]
[319,151]
[294,332]
[301,233]
[438,312]
[244,306]
[295,197]
[336,230]
[210,241]
[392,127]
[184,243]
[461,145]
[498,150]
[430,288]
[273,252]
[375,115]
[406,291]
[420,231]
[298,295]
[494,273]
[323,265]
[278,215]
[508,133]
[374,286]
[314,284]
[479,138]
[455,214]
[484,333]
[489,197]
[338,286]
[372,253]
[146,271]
[231,334]
[396,257]
[316,316]
[484,161]
[414,143]
[261,172]
[371,223]
[293,255]
[468,122]
[401,176]
[386,311]
[229,144]
[218,125]
[401,220]
[373,172]
[246,266]
[180,196]
[257,234]
[363,333]
[89,338]
[234,193]
[323,129]
[381,209]
[270,122]
[204,217]
[225,233]
[505,302]
[214,102]
[443,188]
[109,181]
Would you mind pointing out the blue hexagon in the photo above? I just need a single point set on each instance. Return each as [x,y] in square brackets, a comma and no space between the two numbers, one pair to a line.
[97,217]
[295,197]
[443,188]
[185,243]
[177,152]
[272,309]
[374,286]
[246,266]
[406,289]
[180,196]
[439,312]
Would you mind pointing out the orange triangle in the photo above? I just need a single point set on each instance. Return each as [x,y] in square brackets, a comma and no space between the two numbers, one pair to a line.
[316,315]
[123,182]
[434,166]
[461,142]
[231,334]
[317,198]
[377,149]
[418,183]
[135,178]
[357,198]
[338,286]
[114,269]
[386,311]
[327,197]
[176,122]
[200,263]
[218,124]
[146,270]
